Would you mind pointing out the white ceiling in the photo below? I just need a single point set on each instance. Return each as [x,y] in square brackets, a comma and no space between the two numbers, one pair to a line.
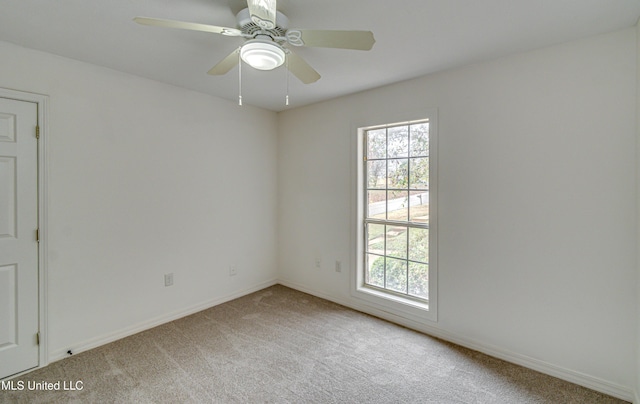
[413,38]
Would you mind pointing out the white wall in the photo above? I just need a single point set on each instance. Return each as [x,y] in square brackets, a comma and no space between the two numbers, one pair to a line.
[146,179]
[536,203]
[637,393]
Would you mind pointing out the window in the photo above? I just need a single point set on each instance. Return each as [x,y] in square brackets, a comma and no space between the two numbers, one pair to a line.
[396,214]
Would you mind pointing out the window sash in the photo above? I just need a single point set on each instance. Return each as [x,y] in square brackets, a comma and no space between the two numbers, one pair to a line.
[405,178]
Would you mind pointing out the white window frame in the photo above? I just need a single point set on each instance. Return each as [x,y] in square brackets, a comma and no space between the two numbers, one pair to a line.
[416,310]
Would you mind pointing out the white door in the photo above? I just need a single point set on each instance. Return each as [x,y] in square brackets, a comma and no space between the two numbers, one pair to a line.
[18,243]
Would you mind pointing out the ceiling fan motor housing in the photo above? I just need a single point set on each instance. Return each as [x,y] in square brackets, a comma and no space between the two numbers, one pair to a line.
[247,26]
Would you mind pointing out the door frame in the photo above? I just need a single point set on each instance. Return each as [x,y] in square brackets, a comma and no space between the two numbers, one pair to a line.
[42,102]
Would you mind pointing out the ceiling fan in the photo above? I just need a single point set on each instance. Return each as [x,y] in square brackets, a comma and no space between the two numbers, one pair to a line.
[267,31]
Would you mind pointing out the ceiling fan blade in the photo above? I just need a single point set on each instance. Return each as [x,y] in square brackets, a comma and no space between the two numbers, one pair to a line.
[225,64]
[301,69]
[191,26]
[263,13]
[358,40]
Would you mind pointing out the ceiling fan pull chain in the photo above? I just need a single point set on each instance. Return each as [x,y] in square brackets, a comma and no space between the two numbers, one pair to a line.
[286,100]
[239,78]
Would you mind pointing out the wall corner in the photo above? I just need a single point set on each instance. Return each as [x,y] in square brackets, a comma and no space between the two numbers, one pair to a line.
[637,384]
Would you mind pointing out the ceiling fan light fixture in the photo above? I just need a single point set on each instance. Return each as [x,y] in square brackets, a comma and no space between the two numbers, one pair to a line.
[262,55]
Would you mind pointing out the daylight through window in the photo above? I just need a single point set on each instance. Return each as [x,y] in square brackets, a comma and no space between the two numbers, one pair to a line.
[396,211]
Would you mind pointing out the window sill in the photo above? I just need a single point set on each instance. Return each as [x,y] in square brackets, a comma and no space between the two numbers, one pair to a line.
[397,305]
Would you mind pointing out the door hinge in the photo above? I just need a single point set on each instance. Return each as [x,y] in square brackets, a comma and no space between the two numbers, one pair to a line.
[37,235]
[37,132]
[38,338]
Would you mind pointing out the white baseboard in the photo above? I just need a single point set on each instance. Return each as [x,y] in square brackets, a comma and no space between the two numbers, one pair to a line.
[579,378]
[146,325]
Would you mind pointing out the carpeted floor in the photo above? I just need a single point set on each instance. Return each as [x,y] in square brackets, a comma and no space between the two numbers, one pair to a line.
[282,346]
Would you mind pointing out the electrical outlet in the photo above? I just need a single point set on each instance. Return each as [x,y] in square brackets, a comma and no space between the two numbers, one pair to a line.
[318,263]
[233,270]
[168,279]
[338,266]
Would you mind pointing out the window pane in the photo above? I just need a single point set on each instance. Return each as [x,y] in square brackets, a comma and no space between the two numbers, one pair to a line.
[377,204]
[398,142]
[419,176]
[377,174]
[377,143]
[419,244]
[396,241]
[396,271]
[375,238]
[375,270]
[398,174]
[398,205]
[419,280]
[419,207]
[420,139]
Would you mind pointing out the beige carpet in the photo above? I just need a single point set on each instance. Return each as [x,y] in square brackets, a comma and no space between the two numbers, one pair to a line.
[282,346]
